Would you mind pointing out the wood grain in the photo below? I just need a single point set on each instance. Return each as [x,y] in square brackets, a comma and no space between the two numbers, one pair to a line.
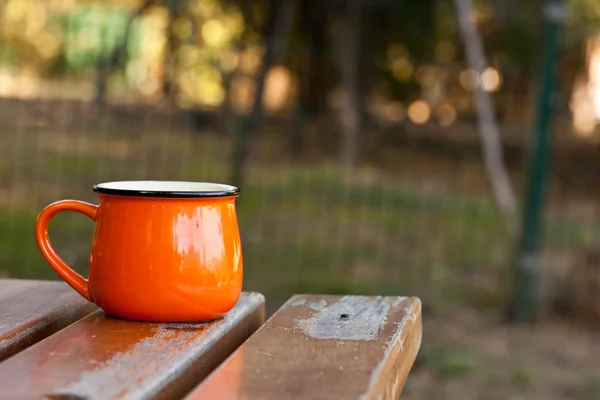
[33,310]
[324,347]
[106,358]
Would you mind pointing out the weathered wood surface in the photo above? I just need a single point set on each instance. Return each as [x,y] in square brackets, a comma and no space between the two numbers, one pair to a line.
[106,358]
[33,310]
[324,347]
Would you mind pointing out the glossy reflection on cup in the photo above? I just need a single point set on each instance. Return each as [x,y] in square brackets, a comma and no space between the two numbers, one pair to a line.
[162,251]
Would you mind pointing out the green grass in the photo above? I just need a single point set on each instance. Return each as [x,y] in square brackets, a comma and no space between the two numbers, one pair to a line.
[523,378]
[448,362]
[591,386]
[69,166]
[19,255]
[587,387]
[304,230]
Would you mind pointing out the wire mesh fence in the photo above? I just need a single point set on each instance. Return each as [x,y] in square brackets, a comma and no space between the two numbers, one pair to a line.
[413,215]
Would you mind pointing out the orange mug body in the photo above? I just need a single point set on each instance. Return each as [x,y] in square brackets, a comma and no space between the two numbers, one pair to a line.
[161,251]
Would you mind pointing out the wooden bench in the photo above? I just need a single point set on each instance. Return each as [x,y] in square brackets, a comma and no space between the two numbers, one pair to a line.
[33,310]
[314,347]
[324,347]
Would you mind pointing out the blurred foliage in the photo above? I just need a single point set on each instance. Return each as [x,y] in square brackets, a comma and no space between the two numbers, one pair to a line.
[208,52]
[584,10]
[92,31]
[196,45]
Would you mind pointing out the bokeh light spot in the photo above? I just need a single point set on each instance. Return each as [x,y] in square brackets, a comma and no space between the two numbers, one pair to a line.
[419,112]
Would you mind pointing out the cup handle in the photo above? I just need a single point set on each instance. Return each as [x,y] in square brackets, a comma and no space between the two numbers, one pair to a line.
[77,282]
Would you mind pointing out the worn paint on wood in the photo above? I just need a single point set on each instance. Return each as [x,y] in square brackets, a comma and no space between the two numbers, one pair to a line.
[352,317]
[33,310]
[106,358]
[324,347]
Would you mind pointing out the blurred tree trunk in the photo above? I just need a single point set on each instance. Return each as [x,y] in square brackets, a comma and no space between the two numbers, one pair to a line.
[375,37]
[311,70]
[107,64]
[346,34]
[488,125]
[302,112]
[426,21]
[280,15]
[227,114]
[175,8]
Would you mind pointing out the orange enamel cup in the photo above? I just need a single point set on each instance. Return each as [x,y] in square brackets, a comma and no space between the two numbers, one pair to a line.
[162,251]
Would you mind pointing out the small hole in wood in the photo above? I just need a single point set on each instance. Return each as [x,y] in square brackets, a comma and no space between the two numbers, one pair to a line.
[344,316]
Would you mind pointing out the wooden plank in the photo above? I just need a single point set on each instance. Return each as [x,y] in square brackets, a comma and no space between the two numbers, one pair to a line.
[106,358]
[33,310]
[324,347]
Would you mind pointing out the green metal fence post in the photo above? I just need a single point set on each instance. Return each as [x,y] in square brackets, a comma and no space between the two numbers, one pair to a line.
[526,262]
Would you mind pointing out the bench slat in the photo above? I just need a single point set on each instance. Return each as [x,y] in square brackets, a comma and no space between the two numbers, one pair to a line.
[33,310]
[107,358]
[324,347]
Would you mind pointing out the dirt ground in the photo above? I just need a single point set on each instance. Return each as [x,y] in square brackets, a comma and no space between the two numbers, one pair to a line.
[473,355]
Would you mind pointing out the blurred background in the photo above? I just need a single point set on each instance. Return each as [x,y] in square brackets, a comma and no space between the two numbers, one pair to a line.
[446,149]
